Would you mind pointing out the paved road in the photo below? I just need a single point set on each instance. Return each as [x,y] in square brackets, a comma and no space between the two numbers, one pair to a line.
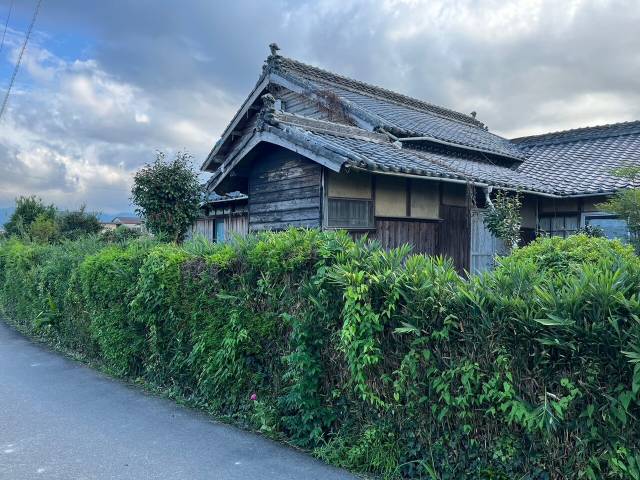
[62,420]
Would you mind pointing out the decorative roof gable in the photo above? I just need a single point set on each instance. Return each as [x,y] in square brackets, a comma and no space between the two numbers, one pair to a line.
[401,115]
[372,108]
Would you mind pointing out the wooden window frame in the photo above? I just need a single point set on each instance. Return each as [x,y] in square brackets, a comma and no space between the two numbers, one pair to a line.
[371,218]
[565,231]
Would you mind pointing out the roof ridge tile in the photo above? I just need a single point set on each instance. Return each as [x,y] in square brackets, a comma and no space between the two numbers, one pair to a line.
[383,93]
[580,133]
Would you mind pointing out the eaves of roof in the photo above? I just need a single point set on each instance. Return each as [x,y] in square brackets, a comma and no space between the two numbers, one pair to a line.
[339,146]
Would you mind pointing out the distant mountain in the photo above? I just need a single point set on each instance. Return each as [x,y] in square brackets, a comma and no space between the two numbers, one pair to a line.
[6,212]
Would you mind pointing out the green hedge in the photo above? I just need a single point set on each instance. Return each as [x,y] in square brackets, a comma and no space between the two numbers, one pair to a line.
[381,362]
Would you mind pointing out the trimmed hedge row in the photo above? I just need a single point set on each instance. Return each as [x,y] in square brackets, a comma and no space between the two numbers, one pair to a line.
[381,362]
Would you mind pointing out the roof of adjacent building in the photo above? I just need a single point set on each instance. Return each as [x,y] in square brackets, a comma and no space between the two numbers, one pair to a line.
[582,160]
[394,133]
[127,220]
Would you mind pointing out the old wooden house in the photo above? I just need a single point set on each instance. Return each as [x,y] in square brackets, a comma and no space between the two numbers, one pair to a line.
[310,148]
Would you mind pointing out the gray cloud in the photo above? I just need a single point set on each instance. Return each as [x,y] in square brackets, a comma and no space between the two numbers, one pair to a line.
[106,83]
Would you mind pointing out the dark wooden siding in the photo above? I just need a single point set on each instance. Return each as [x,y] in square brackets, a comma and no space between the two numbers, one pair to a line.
[454,235]
[422,235]
[284,190]
[449,237]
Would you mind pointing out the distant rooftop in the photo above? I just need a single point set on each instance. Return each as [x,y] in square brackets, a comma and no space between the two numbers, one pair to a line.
[127,220]
[583,133]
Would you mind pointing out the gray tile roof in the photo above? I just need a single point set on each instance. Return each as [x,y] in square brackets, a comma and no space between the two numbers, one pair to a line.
[572,162]
[366,151]
[399,112]
[582,161]
[323,76]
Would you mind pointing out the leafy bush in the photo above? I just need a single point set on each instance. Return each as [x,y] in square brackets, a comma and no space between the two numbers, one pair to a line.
[120,234]
[108,282]
[562,256]
[567,313]
[44,230]
[167,194]
[76,224]
[503,218]
[28,209]
[382,362]
[37,289]
[32,220]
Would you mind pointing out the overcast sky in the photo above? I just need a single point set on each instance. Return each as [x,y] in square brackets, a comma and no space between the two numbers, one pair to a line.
[104,84]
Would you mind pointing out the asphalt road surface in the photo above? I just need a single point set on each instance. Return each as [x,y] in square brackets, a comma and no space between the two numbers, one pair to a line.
[62,420]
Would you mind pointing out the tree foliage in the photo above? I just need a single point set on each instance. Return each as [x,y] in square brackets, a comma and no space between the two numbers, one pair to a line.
[167,194]
[28,209]
[503,218]
[33,220]
[44,229]
[626,203]
[78,223]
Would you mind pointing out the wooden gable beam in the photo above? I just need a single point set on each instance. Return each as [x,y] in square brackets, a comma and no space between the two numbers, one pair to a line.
[322,156]
[248,103]
[363,118]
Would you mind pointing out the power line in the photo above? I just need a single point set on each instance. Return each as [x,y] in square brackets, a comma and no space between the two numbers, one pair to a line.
[6,24]
[15,70]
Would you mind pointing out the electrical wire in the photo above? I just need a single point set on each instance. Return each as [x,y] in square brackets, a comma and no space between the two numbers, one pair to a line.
[6,24]
[17,67]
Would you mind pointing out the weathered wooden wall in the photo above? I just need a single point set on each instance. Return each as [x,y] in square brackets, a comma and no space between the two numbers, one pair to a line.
[484,245]
[236,225]
[449,237]
[204,226]
[422,235]
[454,235]
[300,105]
[284,190]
